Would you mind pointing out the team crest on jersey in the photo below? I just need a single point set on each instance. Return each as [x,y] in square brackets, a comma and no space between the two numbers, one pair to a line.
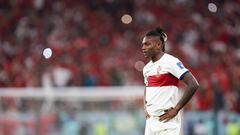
[158,70]
[180,65]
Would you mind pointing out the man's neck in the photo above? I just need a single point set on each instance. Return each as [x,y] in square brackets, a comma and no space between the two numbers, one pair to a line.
[157,57]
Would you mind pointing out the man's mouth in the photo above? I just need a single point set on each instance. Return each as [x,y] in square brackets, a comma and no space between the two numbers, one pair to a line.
[144,52]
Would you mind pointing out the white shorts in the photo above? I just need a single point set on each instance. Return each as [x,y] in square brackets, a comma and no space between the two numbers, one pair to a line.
[155,127]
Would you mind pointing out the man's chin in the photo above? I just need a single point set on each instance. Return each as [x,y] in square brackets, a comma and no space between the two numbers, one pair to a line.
[146,56]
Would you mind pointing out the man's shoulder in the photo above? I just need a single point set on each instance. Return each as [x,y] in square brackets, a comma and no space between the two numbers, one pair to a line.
[147,65]
[169,57]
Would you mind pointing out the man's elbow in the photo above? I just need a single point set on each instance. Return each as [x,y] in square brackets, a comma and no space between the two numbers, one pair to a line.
[195,86]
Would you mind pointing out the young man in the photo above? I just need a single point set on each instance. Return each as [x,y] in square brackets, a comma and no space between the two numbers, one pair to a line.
[161,76]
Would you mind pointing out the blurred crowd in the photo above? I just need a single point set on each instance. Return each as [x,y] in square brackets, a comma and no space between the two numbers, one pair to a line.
[92,47]
[75,118]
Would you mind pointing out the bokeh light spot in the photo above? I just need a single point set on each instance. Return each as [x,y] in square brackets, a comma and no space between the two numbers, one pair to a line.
[126,19]
[212,7]
[139,65]
[47,53]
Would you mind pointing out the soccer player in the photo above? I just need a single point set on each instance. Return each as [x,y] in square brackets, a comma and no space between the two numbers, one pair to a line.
[161,76]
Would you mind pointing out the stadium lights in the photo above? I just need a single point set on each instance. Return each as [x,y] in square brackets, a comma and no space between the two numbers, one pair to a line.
[126,19]
[212,7]
[47,53]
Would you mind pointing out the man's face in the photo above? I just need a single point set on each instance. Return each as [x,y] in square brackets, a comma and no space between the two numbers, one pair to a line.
[151,46]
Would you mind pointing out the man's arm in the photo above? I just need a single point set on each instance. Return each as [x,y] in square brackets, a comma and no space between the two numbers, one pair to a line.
[192,86]
[144,103]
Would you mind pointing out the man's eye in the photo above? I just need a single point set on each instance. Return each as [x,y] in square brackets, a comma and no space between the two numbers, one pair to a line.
[147,44]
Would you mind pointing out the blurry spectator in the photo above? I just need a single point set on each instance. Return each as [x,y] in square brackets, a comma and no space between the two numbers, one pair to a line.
[200,128]
[85,128]
[218,98]
[61,76]
[100,128]
[233,127]
[69,123]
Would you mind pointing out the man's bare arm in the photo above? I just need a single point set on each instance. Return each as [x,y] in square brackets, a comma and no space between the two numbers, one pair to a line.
[192,86]
[144,103]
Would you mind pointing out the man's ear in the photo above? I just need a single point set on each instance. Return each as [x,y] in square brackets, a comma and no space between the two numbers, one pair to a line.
[159,45]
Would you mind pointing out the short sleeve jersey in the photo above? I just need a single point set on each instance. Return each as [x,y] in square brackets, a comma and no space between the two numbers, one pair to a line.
[161,80]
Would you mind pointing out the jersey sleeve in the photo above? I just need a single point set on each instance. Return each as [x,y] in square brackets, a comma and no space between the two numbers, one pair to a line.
[177,68]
